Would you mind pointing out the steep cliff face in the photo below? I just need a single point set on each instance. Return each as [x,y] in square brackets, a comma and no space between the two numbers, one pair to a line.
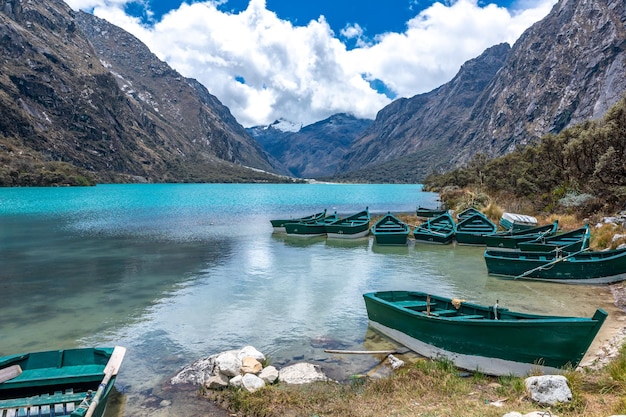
[315,150]
[569,67]
[60,103]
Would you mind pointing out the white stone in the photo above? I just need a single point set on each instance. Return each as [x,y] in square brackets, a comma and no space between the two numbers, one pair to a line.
[301,373]
[228,363]
[269,374]
[251,351]
[394,362]
[548,389]
[236,381]
[197,372]
[252,382]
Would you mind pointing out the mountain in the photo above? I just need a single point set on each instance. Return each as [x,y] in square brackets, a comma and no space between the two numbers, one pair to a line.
[569,67]
[81,97]
[314,150]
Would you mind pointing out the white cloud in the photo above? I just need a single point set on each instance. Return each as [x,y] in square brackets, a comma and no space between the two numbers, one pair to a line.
[305,73]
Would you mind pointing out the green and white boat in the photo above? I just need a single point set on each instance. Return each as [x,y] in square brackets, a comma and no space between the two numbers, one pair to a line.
[308,229]
[278,225]
[582,267]
[390,230]
[514,221]
[352,227]
[572,241]
[510,239]
[439,230]
[71,382]
[490,340]
[429,212]
[473,229]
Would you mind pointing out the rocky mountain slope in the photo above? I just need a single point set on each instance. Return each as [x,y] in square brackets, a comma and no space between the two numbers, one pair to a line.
[314,150]
[569,67]
[77,91]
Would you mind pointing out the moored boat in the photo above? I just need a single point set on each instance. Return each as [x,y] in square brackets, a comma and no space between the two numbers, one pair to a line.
[352,227]
[491,340]
[308,229]
[390,230]
[509,239]
[71,382]
[473,229]
[439,230]
[278,225]
[514,221]
[429,212]
[468,212]
[571,241]
[582,267]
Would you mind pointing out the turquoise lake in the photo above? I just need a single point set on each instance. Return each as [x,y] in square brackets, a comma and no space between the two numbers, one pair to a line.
[176,272]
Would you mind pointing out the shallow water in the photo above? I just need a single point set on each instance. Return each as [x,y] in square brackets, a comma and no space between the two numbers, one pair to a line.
[178,272]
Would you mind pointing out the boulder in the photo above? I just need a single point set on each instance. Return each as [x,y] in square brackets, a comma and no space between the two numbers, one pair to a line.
[548,389]
[269,374]
[301,373]
[252,382]
[236,381]
[228,363]
[196,373]
[218,381]
[249,365]
[251,351]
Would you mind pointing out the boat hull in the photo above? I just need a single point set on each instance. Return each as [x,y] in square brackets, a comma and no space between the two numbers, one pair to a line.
[511,240]
[278,225]
[473,229]
[439,230]
[352,227]
[59,380]
[505,346]
[580,268]
[390,230]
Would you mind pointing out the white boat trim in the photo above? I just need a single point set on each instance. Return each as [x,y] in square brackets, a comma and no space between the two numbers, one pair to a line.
[474,363]
[348,235]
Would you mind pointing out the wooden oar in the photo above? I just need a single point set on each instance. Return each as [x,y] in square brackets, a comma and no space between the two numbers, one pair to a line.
[110,369]
[530,271]
[10,372]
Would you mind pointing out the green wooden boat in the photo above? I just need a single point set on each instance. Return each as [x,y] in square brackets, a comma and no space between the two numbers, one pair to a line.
[390,230]
[473,229]
[514,221]
[509,239]
[308,229]
[278,225]
[571,241]
[429,212]
[352,227]
[469,212]
[71,382]
[582,267]
[491,340]
[439,230]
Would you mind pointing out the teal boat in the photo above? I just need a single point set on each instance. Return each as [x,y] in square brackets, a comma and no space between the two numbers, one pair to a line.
[572,241]
[278,225]
[514,221]
[312,228]
[582,267]
[352,227]
[390,230]
[490,340]
[510,239]
[439,230]
[429,212]
[473,229]
[469,212]
[71,382]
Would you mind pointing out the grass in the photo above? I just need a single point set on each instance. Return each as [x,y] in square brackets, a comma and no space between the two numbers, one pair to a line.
[430,389]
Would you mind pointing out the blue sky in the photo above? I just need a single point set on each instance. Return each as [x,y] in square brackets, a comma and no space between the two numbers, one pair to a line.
[305,60]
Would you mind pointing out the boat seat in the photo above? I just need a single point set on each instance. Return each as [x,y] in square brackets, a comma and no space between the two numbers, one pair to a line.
[41,405]
[414,305]
[468,317]
[46,376]
[444,313]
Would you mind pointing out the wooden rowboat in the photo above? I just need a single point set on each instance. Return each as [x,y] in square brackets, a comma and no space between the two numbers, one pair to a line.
[573,240]
[390,230]
[473,229]
[509,239]
[439,230]
[582,267]
[278,225]
[491,340]
[429,212]
[308,229]
[352,227]
[71,382]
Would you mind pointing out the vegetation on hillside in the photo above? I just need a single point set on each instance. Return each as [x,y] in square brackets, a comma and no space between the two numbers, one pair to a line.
[582,169]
